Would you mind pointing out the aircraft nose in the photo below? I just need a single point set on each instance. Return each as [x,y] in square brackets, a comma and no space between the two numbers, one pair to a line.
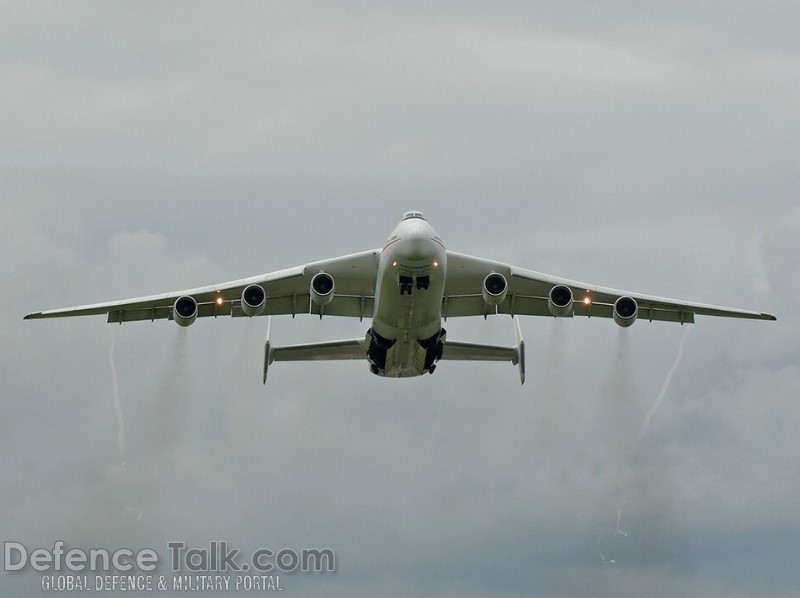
[418,249]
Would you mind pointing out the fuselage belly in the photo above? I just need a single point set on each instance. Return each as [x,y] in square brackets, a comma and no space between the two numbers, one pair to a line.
[408,298]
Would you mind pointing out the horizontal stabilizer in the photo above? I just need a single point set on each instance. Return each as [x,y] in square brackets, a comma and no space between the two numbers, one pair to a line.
[344,349]
[330,350]
[456,351]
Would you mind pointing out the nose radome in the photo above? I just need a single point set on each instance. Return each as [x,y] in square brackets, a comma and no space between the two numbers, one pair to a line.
[418,248]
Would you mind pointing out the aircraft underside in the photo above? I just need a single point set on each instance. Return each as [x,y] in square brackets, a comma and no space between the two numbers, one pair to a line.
[406,357]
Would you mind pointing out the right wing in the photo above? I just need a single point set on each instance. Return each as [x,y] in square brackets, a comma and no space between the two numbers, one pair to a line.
[287,292]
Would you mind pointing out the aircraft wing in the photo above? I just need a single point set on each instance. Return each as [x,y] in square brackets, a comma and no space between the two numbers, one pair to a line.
[287,292]
[528,291]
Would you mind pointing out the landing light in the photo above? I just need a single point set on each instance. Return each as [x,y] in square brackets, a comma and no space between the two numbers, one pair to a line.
[586,300]
[219,300]
[435,264]
[394,264]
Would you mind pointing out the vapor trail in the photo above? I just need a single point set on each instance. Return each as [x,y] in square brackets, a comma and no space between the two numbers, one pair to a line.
[664,388]
[117,404]
[174,382]
[620,532]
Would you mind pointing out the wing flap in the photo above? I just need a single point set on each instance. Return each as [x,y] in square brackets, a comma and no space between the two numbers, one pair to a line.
[141,314]
[455,306]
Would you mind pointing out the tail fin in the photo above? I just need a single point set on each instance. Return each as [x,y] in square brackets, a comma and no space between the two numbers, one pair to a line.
[267,349]
[520,351]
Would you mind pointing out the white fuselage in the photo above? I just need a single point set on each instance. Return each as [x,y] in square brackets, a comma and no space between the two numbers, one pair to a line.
[413,257]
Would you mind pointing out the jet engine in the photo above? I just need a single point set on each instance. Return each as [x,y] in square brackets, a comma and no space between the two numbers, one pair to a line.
[254,300]
[184,312]
[559,301]
[495,288]
[625,311]
[322,287]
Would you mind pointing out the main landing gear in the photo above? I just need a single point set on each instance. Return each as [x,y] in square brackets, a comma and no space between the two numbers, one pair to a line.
[378,347]
[434,348]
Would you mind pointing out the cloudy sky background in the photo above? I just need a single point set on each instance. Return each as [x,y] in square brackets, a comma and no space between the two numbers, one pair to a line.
[649,146]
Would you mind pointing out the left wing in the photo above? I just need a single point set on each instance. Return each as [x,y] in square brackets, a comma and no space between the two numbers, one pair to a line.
[286,292]
[527,294]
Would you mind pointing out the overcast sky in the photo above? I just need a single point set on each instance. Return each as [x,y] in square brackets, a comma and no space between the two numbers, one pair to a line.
[153,146]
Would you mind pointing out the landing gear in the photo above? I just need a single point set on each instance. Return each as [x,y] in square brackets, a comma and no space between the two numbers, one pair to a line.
[406,284]
[434,348]
[378,347]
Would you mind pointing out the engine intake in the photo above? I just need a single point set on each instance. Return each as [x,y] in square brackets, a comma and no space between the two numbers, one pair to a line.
[322,288]
[560,301]
[625,311]
[495,288]
[254,300]
[184,311]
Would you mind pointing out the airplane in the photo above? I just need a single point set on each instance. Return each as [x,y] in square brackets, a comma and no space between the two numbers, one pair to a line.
[407,288]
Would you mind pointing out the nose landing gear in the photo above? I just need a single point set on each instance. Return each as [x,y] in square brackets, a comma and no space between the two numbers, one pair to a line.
[407,283]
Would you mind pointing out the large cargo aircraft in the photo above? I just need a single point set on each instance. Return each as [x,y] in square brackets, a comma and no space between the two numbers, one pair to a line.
[407,288]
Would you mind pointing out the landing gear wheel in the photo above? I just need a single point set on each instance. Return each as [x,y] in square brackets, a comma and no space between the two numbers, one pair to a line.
[432,369]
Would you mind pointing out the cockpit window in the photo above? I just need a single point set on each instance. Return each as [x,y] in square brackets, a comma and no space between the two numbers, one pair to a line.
[413,214]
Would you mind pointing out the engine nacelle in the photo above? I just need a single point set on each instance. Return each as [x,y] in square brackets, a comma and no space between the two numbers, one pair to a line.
[184,311]
[560,301]
[254,300]
[625,311]
[495,288]
[322,288]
